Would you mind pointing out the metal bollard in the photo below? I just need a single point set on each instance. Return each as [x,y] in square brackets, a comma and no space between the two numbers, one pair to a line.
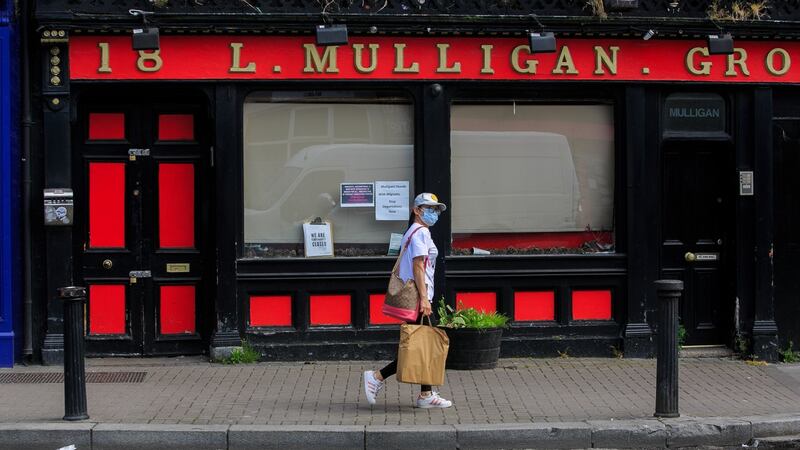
[669,294]
[74,370]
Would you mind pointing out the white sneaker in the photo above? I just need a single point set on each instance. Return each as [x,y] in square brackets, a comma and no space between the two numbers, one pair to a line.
[371,386]
[433,401]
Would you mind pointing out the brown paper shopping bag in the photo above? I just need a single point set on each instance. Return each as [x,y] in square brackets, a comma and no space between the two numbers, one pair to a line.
[422,354]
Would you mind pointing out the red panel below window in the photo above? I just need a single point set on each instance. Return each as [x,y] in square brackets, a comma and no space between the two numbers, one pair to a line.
[270,311]
[176,205]
[376,315]
[571,239]
[175,127]
[533,306]
[177,314]
[106,205]
[330,309]
[481,301]
[591,305]
[107,309]
[106,126]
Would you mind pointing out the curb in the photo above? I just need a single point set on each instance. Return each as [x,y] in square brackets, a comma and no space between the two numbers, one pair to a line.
[618,434]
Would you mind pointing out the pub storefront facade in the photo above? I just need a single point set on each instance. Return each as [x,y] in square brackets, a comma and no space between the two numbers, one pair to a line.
[573,179]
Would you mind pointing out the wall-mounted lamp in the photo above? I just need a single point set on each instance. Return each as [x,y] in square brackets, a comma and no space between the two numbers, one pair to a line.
[332,34]
[145,38]
[649,34]
[720,44]
[542,42]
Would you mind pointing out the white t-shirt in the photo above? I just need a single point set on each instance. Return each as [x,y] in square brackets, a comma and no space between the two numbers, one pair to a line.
[421,245]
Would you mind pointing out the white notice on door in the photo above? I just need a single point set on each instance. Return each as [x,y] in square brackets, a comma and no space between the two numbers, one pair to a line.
[391,200]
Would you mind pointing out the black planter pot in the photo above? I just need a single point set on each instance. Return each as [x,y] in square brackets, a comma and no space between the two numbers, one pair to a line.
[473,349]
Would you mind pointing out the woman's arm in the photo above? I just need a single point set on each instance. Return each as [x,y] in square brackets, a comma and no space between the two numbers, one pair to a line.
[422,287]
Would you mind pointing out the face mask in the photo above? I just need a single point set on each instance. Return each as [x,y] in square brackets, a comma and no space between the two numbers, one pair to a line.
[430,216]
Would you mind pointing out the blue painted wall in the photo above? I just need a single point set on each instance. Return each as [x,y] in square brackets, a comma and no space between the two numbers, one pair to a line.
[10,298]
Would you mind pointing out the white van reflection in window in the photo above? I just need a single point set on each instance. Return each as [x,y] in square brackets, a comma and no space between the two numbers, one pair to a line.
[309,188]
[513,182]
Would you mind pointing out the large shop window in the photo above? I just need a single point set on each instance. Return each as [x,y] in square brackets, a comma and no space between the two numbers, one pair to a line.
[334,157]
[532,179]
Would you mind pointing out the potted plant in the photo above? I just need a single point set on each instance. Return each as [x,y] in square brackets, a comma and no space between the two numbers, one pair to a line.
[474,337]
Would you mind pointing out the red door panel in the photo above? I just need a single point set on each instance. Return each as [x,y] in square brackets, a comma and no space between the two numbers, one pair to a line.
[106,204]
[177,311]
[107,309]
[176,205]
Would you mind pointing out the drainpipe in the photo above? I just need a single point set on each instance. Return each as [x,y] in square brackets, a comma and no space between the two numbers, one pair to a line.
[27,124]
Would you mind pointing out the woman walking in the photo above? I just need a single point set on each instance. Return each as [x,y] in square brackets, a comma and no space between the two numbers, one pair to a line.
[418,263]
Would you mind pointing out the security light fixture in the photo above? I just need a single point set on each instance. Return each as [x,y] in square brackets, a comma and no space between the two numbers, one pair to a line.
[332,34]
[720,44]
[542,42]
[144,38]
[649,34]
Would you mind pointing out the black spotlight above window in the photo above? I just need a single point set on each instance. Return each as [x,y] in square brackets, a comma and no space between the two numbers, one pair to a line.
[720,44]
[542,42]
[331,34]
[145,39]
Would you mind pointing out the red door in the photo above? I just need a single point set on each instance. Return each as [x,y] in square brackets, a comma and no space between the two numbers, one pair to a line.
[144,237]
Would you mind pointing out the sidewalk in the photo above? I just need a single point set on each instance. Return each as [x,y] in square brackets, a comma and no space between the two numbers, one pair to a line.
[191,391]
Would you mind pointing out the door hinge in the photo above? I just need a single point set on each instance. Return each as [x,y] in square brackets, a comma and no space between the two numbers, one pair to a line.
[133,153]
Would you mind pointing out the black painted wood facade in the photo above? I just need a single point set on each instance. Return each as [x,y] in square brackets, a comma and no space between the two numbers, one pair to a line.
[762,135]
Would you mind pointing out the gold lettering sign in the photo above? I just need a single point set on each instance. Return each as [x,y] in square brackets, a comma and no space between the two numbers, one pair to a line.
[443,68]
[399,61]
[786,61]
[358,49]
[104,57]
[487,59]
[704,68]
[236,64]
[149,61]
[530,65]
[738,58]
[319,64]
[565,61]
[601,58]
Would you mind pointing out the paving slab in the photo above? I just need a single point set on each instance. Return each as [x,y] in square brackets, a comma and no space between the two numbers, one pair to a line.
[143,436]
[774,425]
[628,433]
[45,436]
[525,436]
[417,437]
[685,432]
[295,437]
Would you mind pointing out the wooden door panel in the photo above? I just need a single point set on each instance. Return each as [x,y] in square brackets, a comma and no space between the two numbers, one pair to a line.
[694,215]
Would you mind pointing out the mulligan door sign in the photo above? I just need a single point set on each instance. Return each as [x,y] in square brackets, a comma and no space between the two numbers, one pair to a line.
[217,57]
[694,113]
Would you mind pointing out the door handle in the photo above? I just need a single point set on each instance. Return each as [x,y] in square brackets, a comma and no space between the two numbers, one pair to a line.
[690,257]
[108,264]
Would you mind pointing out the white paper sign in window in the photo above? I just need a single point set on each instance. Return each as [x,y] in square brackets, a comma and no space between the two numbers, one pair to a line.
[318,239]
[391,200]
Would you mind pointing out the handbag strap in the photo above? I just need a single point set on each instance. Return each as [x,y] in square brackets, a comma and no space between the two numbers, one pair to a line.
[403,250]
[422,320]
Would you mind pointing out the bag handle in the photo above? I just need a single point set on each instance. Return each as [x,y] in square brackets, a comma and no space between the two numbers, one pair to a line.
[403,250]
[422,320]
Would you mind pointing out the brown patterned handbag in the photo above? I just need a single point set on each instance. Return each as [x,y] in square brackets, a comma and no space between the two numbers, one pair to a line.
[401,301]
